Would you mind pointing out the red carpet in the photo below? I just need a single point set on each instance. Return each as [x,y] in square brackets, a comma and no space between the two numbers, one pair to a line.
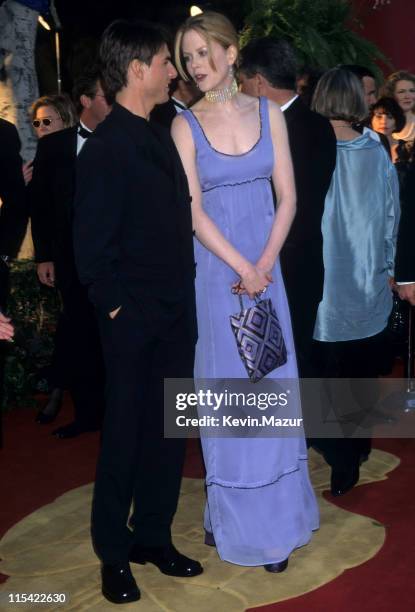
[35,468]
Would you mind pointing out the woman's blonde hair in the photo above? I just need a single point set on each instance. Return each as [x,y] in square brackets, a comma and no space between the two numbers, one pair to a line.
[389,85]
[339,95]
[211,26]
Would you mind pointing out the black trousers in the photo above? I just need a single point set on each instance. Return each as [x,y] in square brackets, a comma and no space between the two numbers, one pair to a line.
[137,464]
[303,328]
[58,374]
[78,361]
[366,358]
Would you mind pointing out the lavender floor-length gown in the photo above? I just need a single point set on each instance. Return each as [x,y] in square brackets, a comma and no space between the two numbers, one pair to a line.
[260,504]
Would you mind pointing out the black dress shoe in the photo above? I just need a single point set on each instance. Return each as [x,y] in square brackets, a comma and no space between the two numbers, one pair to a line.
[49,413]
[167,559]
[342,480]
[277,568]
[118,584]
[73,430]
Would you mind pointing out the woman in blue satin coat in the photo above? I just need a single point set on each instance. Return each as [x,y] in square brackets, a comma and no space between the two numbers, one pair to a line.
[359,228]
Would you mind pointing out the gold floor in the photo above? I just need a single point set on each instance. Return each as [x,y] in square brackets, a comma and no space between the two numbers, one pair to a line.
[50,551]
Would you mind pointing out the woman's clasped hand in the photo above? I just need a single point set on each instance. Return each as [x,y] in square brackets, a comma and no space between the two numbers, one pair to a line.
[254,282]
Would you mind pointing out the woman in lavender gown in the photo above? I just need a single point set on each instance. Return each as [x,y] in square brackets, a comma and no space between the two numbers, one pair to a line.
[260,504]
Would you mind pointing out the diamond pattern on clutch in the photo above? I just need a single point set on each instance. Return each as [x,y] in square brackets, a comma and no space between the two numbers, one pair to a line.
[259,339]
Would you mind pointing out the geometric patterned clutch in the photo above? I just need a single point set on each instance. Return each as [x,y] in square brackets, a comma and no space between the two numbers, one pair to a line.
[259,338]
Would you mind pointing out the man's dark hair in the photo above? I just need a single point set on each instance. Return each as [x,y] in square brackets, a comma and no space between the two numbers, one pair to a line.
[274,59]
[124,41]
[359,71]
[309,78]
[86,84]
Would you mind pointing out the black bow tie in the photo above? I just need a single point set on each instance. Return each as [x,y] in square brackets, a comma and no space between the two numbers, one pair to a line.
[83,132]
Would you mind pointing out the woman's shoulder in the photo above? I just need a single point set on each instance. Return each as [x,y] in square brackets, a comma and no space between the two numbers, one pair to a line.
[181,129]
[273,107]
[275,114]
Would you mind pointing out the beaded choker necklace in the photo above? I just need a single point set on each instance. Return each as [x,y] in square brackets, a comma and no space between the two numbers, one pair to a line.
[222,95]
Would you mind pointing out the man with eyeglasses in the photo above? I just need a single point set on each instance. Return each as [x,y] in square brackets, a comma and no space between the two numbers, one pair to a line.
[51,192]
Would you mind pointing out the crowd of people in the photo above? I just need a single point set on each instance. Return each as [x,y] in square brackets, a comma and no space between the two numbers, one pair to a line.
[263,187]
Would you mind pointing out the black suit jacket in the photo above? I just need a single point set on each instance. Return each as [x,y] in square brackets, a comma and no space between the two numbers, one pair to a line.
[405,250]
[52,191]
[14,212]
[133,232]
[313,150]
[163,114]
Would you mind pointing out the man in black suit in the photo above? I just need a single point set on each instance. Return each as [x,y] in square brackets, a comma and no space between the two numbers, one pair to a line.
[134,250]
[51,192]
[405,248]
[14,213]
[268,68]
[13,221]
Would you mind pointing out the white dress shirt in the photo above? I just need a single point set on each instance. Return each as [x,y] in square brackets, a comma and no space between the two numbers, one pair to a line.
[80,139]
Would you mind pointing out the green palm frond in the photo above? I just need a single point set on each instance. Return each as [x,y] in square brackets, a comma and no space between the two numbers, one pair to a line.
[320,30]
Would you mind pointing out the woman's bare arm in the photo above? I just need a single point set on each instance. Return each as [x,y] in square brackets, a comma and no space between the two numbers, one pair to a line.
[284,185]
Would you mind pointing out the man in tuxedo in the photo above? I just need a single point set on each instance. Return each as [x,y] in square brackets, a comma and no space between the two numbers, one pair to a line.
[268,68]
[51,192]
[134,250]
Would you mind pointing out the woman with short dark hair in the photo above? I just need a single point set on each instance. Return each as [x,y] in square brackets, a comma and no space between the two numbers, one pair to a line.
[387,118]
[339,97]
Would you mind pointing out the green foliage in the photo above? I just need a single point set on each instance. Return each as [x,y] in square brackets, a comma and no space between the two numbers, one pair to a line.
[318,29]
[34,309]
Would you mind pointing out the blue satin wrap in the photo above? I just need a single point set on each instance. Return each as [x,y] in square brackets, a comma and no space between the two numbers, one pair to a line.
[359,226]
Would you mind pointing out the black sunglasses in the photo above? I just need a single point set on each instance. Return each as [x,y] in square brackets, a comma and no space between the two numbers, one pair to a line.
[38,122]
